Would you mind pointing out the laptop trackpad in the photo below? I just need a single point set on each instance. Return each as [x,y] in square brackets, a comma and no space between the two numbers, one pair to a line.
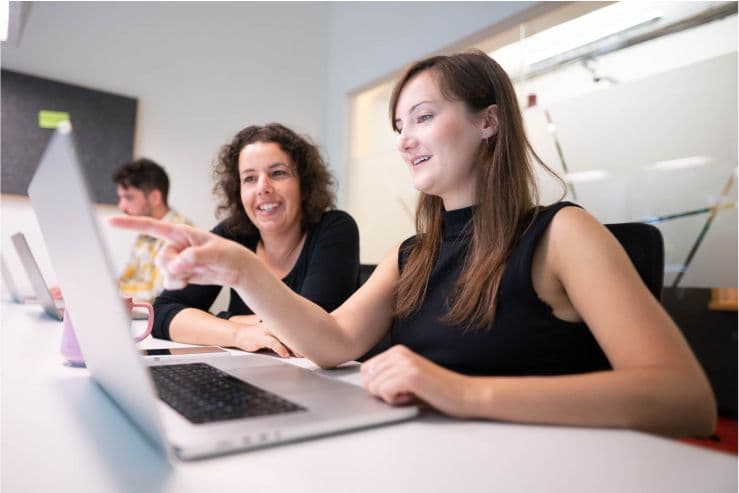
[285,378]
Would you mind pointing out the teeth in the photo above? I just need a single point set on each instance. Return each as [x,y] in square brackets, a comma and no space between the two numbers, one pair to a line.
[266,207]
[420,160]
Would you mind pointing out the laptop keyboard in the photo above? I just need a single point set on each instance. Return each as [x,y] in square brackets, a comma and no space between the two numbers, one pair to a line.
[203,394]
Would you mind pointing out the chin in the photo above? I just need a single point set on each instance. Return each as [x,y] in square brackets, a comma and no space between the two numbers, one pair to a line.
[423,186]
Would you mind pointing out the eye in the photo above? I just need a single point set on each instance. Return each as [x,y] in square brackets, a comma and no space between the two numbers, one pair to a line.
[424,118]
[250,179]
[279,173]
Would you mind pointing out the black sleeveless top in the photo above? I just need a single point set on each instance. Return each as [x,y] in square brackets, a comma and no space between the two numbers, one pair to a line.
[525,338]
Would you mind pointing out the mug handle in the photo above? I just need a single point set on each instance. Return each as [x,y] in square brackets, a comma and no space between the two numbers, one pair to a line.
[149,326]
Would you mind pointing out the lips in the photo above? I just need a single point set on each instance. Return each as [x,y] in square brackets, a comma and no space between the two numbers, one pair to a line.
[419,160]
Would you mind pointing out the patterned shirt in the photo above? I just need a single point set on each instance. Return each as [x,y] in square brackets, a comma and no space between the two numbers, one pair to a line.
[141,278]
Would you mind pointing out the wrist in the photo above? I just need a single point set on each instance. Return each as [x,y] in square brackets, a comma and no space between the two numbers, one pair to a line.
[234,333]
[477,397]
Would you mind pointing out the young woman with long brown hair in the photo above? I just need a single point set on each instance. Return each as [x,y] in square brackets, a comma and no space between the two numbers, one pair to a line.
[497,308]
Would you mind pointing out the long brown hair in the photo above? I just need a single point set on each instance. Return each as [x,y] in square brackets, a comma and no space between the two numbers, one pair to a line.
[316,182]
[505,192]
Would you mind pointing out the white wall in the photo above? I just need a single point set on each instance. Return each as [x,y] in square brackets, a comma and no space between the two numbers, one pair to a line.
[200,72]
[371,40]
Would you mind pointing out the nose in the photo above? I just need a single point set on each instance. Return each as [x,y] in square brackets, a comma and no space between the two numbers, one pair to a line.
[406,141]
[264,185]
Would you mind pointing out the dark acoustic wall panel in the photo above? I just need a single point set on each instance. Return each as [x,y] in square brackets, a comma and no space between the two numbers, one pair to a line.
[103,124]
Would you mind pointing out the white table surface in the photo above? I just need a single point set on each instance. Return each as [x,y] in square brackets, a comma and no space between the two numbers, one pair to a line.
[59,432]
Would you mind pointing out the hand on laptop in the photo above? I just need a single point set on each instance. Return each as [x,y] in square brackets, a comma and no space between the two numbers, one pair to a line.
[400,376]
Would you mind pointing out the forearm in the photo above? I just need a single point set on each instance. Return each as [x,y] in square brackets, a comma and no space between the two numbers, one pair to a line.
[298,322]
[245,319]
[194,326]
[664,401]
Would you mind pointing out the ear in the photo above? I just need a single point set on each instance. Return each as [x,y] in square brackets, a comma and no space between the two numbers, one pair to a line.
[155,197]
[489,121]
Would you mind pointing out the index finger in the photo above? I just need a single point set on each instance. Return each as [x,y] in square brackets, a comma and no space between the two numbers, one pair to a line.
[152,227]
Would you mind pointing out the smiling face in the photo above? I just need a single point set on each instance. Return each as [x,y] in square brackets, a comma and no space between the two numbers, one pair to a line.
[270,188]
[439,141]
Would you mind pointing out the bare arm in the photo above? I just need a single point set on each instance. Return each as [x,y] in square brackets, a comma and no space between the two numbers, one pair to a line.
[656,384]
[332,339]
[194,326]
[193,256]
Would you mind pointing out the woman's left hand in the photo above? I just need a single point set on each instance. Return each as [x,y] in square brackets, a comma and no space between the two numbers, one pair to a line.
[399,375]
[254,321]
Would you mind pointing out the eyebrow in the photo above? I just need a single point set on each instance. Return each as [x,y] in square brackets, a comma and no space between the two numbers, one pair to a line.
[271,166]
[413,108]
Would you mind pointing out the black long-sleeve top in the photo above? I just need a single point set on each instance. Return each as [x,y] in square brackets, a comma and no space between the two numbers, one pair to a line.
[326,272]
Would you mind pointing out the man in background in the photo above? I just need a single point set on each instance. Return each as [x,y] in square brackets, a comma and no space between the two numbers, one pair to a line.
[142,187]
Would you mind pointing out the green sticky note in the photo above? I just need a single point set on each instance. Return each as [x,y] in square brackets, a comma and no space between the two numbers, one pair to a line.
[51,119]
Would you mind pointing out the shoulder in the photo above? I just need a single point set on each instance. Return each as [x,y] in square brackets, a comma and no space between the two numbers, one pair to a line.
[547,213]
[403,250]
[538,221]
[221,230]
[571,223]
[406,245]
[391,261]
[248,240]
[337,217]
[336,222]
[174,217]
[574,236]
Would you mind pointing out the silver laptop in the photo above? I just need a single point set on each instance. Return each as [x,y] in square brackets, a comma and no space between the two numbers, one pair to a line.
[53,308]
[273,402]
[12,288]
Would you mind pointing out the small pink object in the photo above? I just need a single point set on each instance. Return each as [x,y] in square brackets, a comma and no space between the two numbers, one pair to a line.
[70,347]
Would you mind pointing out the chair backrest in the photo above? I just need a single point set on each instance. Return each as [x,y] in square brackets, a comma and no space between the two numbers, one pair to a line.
[644,246]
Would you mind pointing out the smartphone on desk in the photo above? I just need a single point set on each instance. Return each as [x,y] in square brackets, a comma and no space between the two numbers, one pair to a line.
[182,351]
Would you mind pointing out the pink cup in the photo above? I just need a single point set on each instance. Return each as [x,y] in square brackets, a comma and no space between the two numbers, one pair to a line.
[70,347]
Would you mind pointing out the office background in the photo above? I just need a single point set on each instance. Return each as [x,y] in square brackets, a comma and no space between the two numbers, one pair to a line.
[202,71]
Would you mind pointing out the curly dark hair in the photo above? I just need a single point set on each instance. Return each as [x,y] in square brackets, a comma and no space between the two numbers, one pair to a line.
[316,182]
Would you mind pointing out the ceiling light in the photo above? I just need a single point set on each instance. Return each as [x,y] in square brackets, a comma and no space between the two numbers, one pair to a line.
[4,19]
[573,34]
[686,162]
[583,176]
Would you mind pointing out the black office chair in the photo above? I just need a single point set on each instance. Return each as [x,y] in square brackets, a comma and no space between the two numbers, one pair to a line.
[644,246]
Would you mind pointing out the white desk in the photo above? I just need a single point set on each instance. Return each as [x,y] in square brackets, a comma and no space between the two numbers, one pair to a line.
[61,433]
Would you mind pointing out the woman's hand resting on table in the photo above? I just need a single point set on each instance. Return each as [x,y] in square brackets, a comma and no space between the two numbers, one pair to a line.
[252,336]
[399,376]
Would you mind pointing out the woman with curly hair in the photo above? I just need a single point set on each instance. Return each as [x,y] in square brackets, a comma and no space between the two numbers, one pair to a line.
[276,199]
